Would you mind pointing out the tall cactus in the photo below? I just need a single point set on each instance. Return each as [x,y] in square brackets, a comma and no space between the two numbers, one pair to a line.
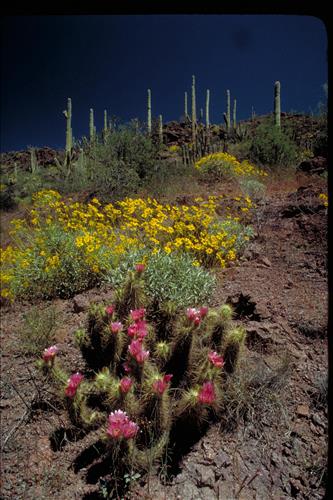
[234,118]
[185,106]
[194,112]
[207,107]
[91,126]
[69,134]
[149,112]
[228,111]
[105,129]
[160,128]
[277,104]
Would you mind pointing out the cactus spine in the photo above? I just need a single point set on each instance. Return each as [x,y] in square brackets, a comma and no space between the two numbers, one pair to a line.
[185,106]
[149,112]
[207,107]
[234,121]
[277,104]
[69,134]
[160,128]
[91,126]
[194,114]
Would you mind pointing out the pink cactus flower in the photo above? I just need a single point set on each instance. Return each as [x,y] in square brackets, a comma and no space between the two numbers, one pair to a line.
[216,359]
[50,353]
[207,393]
[138,314]
[121,426]
[126,367]
[193,315]
[160,385]
[130,430]
[73,383]
[137,352]
[116,326]
[138,330]
[125,384]
[109,310]
[203,311]
[140,268]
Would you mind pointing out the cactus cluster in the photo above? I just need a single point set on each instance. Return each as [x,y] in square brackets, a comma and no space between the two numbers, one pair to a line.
[149,370]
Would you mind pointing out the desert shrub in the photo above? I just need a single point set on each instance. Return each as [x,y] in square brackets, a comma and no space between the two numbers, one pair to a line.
[222,166]
[168,278]
[7,200]
[253,189]
[271,146]
[65,247]
[151,380]
[38,329]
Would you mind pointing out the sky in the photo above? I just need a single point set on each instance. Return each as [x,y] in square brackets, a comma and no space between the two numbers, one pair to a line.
[109,62]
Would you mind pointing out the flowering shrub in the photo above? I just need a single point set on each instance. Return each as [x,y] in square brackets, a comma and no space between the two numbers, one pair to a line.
[66,247]
[220,166]
[157,372]
[324,198]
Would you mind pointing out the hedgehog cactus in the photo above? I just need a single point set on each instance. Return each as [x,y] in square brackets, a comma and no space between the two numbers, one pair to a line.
[150,370]
[277,104]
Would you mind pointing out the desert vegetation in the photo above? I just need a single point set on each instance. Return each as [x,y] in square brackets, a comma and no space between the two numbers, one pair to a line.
[141,230]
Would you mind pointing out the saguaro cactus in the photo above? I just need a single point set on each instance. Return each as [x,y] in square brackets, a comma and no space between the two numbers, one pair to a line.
[149,112]
[194,112]
[234,120]
[228,111]
[207,107]
[69,134]
[185,106]
[91,126]
[277,104]
[105,129]
[160,128]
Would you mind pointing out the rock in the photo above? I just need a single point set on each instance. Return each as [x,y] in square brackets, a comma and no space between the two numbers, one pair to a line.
[315,165]
[80,303]
[276,459]
[317,420]
[303,410]
[206,477]
[265,261]
[222,459]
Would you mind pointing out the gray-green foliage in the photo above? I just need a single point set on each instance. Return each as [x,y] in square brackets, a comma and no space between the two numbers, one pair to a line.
[168,278]
[253,188]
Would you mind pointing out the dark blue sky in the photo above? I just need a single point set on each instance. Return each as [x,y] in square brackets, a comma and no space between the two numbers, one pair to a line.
[109,62]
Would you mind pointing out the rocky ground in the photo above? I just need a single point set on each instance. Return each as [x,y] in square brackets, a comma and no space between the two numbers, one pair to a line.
[278,449]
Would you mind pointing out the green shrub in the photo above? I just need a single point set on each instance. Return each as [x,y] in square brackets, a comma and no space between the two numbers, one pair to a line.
[38,329]
[253,188]
[273,147]
[168,278]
